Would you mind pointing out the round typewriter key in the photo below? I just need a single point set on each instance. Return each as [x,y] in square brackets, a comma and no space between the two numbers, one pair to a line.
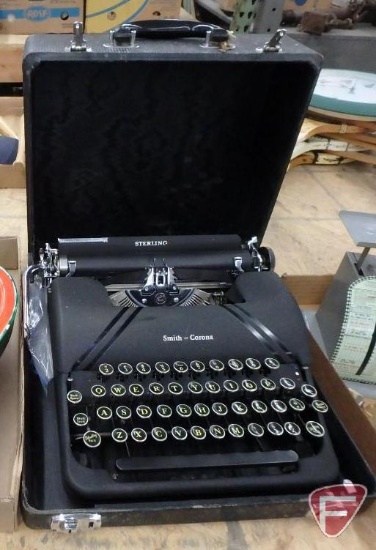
[91,439]
[195,387]
[119,435]
[231,385]
[236,430]
[292,428]
[198,432]
[197,366]
[255,429]
[123,412]
[249,385]
[239,408]
[179,433]
[136,389]
[253,364]
[183,410]
[235,364]
[315,428]
[125,368]
[143,368]
[217,431]
[155,388]
[98,391]
[296,404]
[143,411]
[275,428]
[320,406]
[104,413]
[162,367]
[216,365]
[212,387]
[180,366]
[175,388]
[259,406]
[139,435]
[271,363]
[164,411]
[118,390]
[201,409]
[308,390]
[80,419]
[106,369]
[278,405]
[159,434]
[220,409]
[287,383]
[268,384]
[74,396]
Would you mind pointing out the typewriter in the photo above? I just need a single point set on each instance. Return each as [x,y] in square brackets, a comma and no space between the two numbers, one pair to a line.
[181,368]
[181,383]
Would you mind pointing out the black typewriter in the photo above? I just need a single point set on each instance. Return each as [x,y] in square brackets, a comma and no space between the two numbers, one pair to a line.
[181,368]
[181,387]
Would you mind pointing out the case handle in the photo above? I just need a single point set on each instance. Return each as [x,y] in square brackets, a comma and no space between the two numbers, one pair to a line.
[169,29]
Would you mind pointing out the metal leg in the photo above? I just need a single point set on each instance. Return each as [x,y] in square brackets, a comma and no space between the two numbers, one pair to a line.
[259,16]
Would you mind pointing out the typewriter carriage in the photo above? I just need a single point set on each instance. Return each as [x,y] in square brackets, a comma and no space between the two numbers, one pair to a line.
[154,285]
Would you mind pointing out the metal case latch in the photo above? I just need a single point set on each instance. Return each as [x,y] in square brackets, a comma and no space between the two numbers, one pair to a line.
[274,44]
[69,523]
[78,43]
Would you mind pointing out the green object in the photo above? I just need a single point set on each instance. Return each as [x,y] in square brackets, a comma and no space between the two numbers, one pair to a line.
[348,93]
[244,16]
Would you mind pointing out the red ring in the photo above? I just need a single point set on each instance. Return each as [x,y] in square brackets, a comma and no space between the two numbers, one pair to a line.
[8,301]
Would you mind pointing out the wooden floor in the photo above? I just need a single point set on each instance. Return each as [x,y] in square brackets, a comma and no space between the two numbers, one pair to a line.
[305,231]
[308,238]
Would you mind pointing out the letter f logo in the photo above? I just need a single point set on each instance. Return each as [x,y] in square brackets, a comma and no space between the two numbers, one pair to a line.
[334,506]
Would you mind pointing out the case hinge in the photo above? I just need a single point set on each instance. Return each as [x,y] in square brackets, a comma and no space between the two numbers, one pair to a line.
[70,523]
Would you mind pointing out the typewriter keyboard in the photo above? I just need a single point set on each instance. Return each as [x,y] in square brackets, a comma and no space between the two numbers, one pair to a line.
[194,416]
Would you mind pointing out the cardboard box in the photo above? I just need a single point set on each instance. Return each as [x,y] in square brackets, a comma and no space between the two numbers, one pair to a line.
[11,50]
[308,290]
[300,6]
[31,16]
[103,15]
[12,124]
[11,405]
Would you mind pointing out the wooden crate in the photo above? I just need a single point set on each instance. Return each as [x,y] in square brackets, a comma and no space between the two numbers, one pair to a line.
[12,124]
[11,48]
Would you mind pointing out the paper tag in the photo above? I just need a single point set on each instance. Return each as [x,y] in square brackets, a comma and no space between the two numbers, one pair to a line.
[355,357]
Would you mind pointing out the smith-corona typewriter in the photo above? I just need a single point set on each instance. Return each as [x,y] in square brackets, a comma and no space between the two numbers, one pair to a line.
[168,374]
[181,368]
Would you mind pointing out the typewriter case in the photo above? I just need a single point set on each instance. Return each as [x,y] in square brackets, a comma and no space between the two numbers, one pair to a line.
[164,137]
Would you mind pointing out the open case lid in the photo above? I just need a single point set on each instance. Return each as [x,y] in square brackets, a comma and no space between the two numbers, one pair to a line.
[162,139]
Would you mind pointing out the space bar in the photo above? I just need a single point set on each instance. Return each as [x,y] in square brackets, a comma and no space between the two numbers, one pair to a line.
[225,460]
